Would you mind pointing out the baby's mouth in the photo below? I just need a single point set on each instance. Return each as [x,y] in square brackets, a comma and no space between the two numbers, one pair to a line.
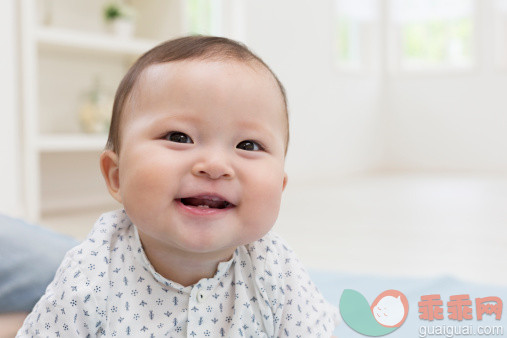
[206,202]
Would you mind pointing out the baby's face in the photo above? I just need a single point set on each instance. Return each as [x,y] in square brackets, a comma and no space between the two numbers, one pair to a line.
[201,166]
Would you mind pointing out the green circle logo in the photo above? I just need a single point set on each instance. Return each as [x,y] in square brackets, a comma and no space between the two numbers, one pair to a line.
[387,312]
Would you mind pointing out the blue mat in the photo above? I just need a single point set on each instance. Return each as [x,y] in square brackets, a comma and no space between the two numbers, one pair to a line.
[332,284]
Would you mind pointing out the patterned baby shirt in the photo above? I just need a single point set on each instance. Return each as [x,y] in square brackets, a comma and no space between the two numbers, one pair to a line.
[106,287]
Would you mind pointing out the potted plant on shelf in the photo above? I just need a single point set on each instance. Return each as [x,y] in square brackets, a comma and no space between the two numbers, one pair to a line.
[120,17]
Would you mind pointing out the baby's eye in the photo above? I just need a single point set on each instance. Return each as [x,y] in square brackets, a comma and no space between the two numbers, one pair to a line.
[249,145]
[178,137]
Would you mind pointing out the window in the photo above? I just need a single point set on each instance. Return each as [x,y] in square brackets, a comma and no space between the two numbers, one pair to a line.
[432,34]
[204,17]
[356,34]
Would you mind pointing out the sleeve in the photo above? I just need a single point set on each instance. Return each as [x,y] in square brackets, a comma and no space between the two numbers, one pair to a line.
[68,308]
[299,309]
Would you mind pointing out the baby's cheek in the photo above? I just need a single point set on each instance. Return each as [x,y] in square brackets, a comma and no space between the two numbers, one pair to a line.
[145,185]
[265,199]
[139,180]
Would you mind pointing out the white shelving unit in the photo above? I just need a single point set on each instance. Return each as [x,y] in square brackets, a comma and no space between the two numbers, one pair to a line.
[70,142]
[55,37]
[59,62]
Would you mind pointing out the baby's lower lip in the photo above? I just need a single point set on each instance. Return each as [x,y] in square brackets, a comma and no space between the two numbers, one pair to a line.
[200,211]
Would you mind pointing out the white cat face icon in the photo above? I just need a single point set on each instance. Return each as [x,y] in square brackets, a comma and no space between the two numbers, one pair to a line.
[390,308]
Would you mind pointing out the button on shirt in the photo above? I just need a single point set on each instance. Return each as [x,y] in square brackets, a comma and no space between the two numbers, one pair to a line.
[107,287]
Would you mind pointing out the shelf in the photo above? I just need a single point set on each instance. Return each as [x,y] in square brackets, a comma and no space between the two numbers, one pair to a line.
[56,37]
[51,143]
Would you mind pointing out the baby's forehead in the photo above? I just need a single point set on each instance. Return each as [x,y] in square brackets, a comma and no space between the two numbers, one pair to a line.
[188,73]
[156,70]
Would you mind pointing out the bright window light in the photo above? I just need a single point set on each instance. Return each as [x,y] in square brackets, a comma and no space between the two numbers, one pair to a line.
[204,17]
[433,34]
[355,33]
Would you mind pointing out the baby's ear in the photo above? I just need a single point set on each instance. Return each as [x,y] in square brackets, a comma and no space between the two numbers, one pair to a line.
[285,178]
[110,171]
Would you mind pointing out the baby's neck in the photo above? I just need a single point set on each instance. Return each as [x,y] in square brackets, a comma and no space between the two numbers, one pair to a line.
[189,272]
[182,267]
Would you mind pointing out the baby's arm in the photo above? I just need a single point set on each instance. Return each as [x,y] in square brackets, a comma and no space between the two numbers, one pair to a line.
[68,308]
[300,308]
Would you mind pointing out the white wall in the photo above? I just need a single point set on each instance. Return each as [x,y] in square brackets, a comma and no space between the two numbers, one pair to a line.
[334,117]
[9,119]
[448,123]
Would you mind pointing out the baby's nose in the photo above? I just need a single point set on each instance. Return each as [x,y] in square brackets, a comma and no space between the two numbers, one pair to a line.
[213,168]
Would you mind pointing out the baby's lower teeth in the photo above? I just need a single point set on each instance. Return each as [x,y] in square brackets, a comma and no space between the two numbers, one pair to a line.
[204,206]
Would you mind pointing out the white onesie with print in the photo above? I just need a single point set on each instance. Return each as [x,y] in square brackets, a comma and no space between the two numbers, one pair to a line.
[107,287]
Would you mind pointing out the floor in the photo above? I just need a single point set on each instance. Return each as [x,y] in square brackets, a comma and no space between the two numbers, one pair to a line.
[389,225]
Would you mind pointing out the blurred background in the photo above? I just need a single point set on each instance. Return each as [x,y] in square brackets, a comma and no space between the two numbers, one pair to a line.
[398,108]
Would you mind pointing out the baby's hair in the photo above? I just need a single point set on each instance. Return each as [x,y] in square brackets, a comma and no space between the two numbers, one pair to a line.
[186,48]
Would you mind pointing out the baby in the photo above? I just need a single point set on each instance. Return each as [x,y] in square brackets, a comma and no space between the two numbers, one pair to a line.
[195,155]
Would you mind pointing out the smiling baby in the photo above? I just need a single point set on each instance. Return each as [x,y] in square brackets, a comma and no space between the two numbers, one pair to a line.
[195,155]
